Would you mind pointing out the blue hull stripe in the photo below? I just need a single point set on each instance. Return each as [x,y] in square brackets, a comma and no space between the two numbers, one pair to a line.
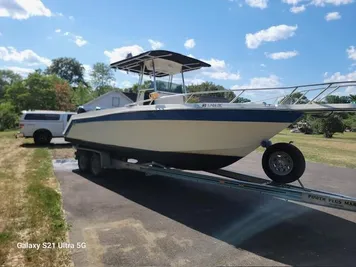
[199,115]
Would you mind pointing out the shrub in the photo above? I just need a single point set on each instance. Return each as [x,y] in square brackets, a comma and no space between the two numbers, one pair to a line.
[8,116]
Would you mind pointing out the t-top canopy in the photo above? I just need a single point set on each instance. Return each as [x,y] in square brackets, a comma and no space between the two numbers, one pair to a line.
[165,63]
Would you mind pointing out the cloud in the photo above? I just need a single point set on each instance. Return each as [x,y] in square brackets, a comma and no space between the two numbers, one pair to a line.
[87,70]
[71,18]
[120,53]
[223,75]
[220,71]
[282,55]
[331,2]
[125,84]
[332,16]
[292,2]
[215,63]
[260,82]
[262,65]
[58,30]
[27,56]
[22,71]
[79,41]
[190,55]
[23,9]
[272,34]
[257,3]
[189,44]
[351,52]
[338,77]
[155,44]
[194,81]
[297,9]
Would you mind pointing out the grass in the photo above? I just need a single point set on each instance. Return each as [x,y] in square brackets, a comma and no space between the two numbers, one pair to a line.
[30,206]
[337,151]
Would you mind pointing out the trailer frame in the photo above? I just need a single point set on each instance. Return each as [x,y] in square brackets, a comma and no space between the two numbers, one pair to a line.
[228,179]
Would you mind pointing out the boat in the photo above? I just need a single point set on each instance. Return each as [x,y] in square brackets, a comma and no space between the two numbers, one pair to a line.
[165,126]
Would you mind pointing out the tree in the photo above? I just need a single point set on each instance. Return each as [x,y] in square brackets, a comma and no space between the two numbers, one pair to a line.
[8,116]
[242,100]
[42,93]
[328,126]
[209,86]
[101,75]
[335,99]
[293,98]
[82,95]
[134,88]
[7,77]
[68,69]
[353,98]
[18,95]
[36,92]
[64,94]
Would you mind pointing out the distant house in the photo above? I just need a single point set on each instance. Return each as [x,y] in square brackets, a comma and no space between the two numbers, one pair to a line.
[112,99]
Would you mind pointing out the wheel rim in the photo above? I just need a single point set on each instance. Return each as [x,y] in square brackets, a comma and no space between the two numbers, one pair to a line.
[95,165]
[280,163]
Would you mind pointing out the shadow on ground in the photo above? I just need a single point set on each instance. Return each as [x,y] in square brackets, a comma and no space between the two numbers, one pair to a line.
[50,146]
[282,231]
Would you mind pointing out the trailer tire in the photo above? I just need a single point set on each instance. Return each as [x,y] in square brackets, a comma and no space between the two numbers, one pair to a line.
[95,164]
[283,163]
[84,161]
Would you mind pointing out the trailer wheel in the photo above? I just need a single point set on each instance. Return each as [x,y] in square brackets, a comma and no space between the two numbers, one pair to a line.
[83,161]
[95,164]
[283,163]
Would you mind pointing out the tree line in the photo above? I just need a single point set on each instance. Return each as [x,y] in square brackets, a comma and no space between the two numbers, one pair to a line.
[327,123]
[61,86]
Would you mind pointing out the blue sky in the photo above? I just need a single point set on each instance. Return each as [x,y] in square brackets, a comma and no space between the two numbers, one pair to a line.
[249,43]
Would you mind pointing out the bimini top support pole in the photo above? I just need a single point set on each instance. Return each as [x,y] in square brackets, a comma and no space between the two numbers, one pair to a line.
[154,75]
[183,83]
[140,81]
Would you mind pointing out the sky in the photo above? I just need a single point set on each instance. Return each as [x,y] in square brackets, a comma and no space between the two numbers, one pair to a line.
[249,43]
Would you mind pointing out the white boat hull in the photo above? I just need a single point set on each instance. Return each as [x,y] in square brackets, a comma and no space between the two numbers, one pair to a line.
[199,137]
[180,138]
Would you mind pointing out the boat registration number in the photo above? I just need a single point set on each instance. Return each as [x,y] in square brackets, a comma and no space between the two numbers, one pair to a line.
[212,105]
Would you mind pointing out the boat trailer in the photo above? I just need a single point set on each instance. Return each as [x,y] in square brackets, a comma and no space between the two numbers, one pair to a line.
[101,161]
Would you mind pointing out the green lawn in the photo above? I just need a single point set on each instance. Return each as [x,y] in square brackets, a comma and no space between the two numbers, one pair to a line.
[338,151]
[30,205]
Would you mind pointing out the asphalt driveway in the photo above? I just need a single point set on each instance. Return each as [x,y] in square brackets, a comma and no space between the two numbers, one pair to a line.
[129,219]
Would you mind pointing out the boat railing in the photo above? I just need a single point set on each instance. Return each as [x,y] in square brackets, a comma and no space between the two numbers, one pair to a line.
[321,90]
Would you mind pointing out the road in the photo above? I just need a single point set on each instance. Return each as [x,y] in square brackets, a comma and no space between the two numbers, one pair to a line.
[129,219]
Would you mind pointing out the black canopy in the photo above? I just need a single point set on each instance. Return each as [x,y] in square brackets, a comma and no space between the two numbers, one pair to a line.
[134,64]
